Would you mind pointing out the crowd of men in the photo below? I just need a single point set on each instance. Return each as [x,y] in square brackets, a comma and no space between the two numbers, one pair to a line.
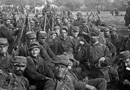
[69,54]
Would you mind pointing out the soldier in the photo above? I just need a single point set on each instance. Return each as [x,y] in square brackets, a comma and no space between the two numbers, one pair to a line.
[124,70]
[24,51]
[15,80]
[37,69]
[5,58]
[65,80]
[42,36]
[64,41]
[52,41]
[111,47]
[127,15]
[97,53]
[79,19]
[5,33]
[117,40]
[57,30]
[79,41]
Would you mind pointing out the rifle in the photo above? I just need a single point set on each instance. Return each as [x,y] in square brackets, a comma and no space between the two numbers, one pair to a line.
[18,41]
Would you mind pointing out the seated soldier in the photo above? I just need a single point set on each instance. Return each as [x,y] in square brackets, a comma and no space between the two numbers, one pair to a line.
[124,71]
[42,36]
[37,69]
[5,58]
[24,50]
[16,80]
[65,80]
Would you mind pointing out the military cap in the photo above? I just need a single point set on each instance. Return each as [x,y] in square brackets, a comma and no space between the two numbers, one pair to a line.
[83,20]
[57,27]
[34,44]
[52,32]
[75,28]
[30,35]
[20,60]
[124,55]
[64,28]
[42,34]
[7,18]
[106,29]
[58,17]
[95,32]
[62,59]
[3,41]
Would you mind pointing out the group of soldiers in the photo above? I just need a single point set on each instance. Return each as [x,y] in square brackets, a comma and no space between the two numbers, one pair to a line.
[72,54]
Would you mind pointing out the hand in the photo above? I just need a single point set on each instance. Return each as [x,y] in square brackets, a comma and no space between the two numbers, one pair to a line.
[126,82]
[92,88]
[102,59]
[81,43]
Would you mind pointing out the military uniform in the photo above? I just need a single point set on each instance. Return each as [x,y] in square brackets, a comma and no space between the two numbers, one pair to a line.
[37,69]
[12,81]
[24,51]
[5,61]
[94,53]
[44,44]
[70,81]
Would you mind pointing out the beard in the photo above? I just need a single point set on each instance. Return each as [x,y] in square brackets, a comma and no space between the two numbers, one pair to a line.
[19,73]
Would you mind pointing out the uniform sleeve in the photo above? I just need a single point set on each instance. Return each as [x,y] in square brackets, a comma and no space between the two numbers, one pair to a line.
[111,47]
[44,54]
[107,55]
[32,72]
[50,52]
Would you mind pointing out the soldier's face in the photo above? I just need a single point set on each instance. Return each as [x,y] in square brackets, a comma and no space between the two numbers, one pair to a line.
[3,49]
[35,52]
[57,31]
[75,33]
[42,40]
[8,22]
[32,40]
[65,20]
[64,33]
[53,36]
[59,21]
[60,71]
[107,34]
[94,39]
[19,69]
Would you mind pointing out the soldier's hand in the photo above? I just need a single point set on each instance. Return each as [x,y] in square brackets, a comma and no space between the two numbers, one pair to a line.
[126,82]
[90,87]
[102,59]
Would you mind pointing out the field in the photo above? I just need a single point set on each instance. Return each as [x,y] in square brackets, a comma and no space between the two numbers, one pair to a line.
[114,20]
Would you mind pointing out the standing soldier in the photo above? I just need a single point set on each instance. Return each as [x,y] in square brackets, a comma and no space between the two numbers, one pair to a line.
[127,15]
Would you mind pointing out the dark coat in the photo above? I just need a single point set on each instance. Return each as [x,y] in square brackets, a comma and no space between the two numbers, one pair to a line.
[69,83]
[37,69]
[48,49]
